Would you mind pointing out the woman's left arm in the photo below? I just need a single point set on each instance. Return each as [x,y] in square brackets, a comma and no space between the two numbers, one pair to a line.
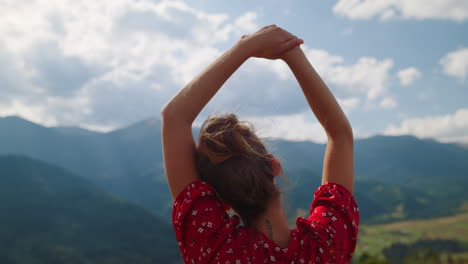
[179,113]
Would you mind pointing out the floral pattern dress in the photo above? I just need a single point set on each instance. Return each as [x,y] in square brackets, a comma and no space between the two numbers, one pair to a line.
[207,234]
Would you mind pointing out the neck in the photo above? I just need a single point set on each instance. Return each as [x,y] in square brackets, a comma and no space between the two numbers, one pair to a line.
[273,223]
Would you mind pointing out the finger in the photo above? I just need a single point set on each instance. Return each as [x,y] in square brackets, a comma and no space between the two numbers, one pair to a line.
[269,26]
[291,43]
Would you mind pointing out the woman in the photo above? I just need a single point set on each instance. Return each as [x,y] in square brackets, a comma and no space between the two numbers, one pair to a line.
[231,167]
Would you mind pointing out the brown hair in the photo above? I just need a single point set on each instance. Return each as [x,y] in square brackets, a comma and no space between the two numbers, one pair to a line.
[236,163]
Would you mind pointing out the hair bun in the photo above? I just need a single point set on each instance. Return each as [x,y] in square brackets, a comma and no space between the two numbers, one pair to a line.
[223,137]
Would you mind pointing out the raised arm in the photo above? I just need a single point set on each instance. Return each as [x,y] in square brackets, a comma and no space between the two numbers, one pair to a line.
[180,112]
[338,163]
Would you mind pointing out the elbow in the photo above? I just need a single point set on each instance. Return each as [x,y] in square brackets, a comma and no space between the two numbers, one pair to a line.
[348,132]
[164,113]
[169,115]
[169,111]
[344,133]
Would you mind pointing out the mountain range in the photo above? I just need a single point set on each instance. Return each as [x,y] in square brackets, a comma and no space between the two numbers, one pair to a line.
[398,177]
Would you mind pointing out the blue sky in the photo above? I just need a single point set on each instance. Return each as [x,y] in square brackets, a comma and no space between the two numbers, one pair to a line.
[396,66]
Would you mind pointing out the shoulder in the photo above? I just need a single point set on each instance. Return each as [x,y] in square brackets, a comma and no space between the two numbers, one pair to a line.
[195,195]
[332,226]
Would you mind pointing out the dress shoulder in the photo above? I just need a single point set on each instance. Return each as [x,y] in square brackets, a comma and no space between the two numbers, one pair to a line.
[188,197]
[200,222]
[333,223]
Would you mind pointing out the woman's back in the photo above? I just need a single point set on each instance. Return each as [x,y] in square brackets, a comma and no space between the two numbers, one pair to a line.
[206,234]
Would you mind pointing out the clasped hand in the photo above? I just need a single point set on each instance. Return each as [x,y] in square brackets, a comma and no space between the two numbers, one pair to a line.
[271,42]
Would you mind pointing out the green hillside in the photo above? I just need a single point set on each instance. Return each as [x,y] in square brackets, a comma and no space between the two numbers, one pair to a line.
[51,216]
[450,233]
[380,202]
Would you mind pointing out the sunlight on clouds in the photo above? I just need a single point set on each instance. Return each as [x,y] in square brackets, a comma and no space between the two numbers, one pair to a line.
[297,127]
[445,128]
[456,10]
[34,113]
[99,128]
[51,111]
[301,126]
[455,63]
[408,76]
[126,48]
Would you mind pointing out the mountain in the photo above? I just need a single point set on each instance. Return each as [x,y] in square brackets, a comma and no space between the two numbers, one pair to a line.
[398,177]
[52,216]
[126,163]
[72,130]
[391,159]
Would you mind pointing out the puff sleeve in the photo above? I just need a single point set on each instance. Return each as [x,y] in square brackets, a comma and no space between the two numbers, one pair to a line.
[330,232]
[200,222]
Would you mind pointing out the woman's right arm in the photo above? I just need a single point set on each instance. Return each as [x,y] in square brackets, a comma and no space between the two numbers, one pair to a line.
[338,165]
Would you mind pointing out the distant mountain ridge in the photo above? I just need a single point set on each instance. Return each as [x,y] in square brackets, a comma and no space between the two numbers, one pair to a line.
[128,163]
[72,130]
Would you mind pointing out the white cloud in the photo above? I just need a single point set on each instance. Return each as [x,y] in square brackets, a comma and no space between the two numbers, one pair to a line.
[408,76]
[278,67]
[455,63]
[368,75]
[98,128]
[456,10]
[34,113]
[446,128]
[296,127]
[348,104]
[301,126]
[118,60]
[51,111]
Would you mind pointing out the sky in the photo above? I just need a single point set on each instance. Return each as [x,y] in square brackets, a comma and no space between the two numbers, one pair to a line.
[396,67]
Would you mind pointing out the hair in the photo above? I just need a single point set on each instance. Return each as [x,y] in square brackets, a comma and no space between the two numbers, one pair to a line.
[232,159]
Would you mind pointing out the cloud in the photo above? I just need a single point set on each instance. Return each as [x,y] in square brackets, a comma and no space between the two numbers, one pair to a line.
[348,104]
[445,128]
[297,127]
[51,111]
[301,126]
[105,63]
[455,63]
[367,76]
[408,76]
[456,10]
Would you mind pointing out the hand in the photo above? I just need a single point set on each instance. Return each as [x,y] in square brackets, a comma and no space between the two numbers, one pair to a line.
[270,42]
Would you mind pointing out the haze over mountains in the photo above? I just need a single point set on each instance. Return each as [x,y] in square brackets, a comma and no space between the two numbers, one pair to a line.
[397,177]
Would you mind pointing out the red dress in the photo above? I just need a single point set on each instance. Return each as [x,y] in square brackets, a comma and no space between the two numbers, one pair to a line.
[206,233]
